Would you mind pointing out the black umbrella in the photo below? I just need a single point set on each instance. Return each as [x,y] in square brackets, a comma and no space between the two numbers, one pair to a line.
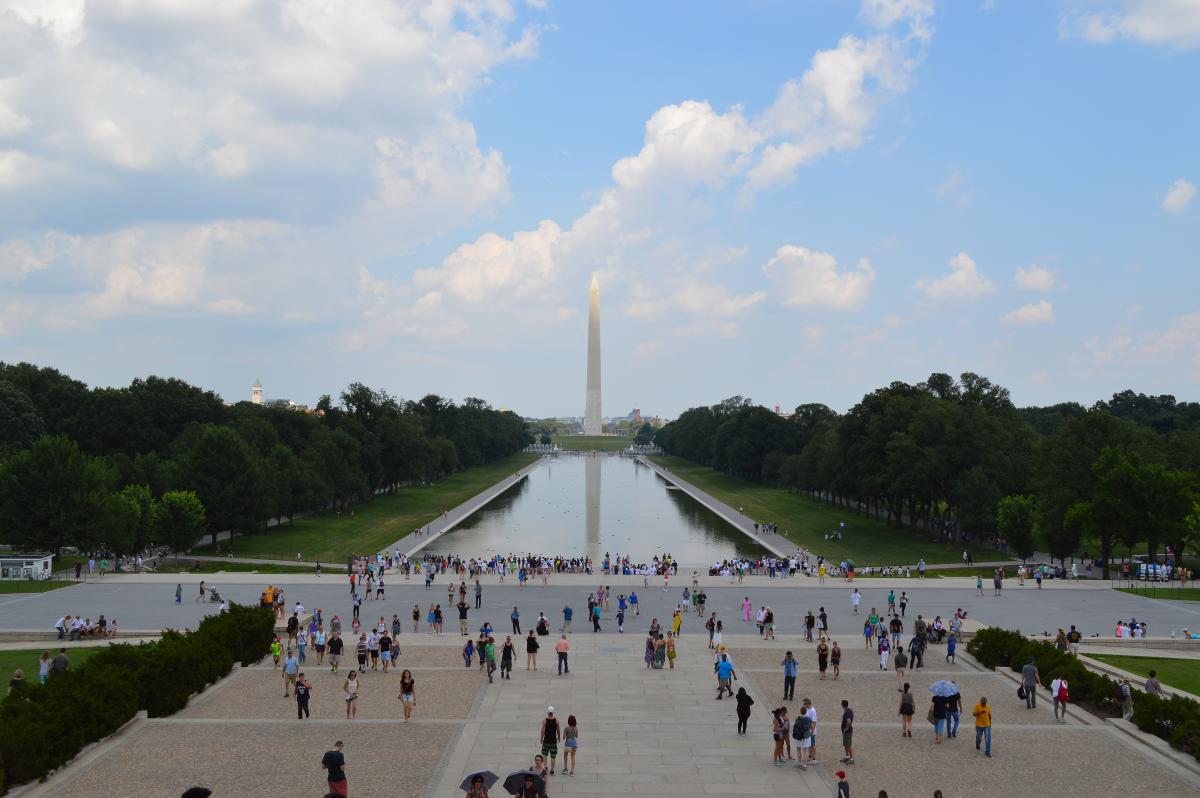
[515,781]
[489,779]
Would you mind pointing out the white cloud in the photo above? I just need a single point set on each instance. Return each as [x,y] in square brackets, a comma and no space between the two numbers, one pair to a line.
[886,13]
[1169,22]
[1179,195]
[1179,340]
[830,106]
[1040,312]
[442,170]
[808,279]
[230,307]
[965,281]
[1034,278]
[207,92]
[497,270]
[19,258]
[691,143]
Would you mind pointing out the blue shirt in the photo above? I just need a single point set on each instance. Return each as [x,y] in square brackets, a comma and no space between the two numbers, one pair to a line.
[724,669]
[789,666]
[633,598]
[567,613]
[291,665]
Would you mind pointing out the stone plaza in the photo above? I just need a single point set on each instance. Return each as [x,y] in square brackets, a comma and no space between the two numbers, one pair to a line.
[641,730]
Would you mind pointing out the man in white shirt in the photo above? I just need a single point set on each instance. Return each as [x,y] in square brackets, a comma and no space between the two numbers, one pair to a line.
[1058,690]
[61,626]
[811,712]
[76,628]
[855,600]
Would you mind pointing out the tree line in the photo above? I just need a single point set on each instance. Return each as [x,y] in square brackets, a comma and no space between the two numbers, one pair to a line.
[948,454]
[162,462]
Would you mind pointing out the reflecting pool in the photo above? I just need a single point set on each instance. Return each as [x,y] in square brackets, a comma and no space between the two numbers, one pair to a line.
[577,504]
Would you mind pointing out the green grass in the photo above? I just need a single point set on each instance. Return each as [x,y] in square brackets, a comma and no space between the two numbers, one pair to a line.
[34,586]
[804,521]
[1182,674]
[27,661]
[1174,593]
[590,443]
[331,538]
[184,566]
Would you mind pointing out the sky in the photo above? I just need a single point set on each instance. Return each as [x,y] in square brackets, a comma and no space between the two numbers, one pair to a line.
[794,200]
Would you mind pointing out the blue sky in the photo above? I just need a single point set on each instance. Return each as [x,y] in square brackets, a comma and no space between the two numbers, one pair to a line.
[793,201]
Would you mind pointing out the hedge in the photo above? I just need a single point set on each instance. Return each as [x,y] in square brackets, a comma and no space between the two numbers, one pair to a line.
[1175,719]
[42,728]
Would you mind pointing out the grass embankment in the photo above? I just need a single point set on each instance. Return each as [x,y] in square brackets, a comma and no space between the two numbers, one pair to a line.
[331,538]
[185,566]
[1172,593]
[1182,674]
[34,586]
[805,521]
[592,443]
[27,661]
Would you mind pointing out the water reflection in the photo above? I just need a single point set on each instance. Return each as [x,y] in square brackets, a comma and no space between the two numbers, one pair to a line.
[591,504]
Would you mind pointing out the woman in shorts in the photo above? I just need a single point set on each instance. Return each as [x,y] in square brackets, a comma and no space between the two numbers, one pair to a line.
[822,657]
[350,692]
[779,731]
[835,659]
[319,645]
[570,745]
[408,695]
[907,708]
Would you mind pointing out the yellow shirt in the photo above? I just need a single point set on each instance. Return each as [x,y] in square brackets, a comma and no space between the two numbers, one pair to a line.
[983,715]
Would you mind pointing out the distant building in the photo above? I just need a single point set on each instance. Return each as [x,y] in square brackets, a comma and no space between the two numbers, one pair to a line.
[256,393]
[781,413]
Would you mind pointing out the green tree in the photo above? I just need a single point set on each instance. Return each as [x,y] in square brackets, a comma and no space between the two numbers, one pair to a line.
[53,495]
[178,520]
[20,423]
[1014,523]
[223,472]
[141,502]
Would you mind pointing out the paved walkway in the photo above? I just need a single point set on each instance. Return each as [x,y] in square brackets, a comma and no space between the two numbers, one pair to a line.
[735,518]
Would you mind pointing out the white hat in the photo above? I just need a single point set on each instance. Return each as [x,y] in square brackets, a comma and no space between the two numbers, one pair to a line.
[550,710]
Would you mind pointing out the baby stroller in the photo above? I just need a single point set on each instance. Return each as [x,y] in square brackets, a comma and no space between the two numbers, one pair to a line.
[213,596]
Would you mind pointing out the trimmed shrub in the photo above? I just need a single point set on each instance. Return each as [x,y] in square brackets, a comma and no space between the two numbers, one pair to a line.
[1175,719]
[42,728]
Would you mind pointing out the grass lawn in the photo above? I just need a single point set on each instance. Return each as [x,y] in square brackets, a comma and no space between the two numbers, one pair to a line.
[590,443]
[27,660]
[33,586]
[331,538]
[1174,593]
[804,521]
[184,566]
[1182,674]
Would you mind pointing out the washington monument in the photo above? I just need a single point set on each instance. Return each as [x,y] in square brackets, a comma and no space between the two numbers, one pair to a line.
[591,414]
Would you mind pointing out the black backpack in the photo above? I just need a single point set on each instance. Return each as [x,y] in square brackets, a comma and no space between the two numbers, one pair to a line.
[800,729]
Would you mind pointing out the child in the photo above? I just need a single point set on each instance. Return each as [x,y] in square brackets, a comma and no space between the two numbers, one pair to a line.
[951,646]
[468,652]
[276,650]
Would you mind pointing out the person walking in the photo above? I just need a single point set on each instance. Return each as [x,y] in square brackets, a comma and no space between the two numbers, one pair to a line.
[725,676]
[744,702]
[907,710]
[790,669]
[953,713]
[822,657]
[334,763]
[1125,699]
[983,725]
[506,657]
[335,651]
[531,651]
[549,734]
[596,618]
[847,732]
[570,745]
[1030,681]
[350,693]
[408,693]
[939,716]
[178,593]
[1060,696]
[901,663]
[291,670]
[515,616]
[562,647]
[843,786]
[303,691]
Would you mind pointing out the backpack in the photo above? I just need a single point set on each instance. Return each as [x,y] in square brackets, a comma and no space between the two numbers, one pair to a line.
[802,728]
[1062,691]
